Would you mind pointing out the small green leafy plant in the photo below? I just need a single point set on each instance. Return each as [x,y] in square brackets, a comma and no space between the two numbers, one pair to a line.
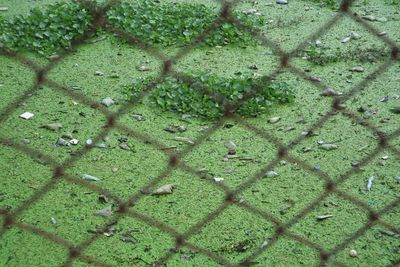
[180,96]
[45,31]
[164,24]
[177,23]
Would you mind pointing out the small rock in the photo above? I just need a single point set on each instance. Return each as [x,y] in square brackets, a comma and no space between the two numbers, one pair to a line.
[382,33]
[53,126]
[26,115]
[357,69]
[397,178]
[183,140]
[323,217]
[328,146]
[3,8]
[231,146]
[315,79]
[385,157]
[114,169]
[355,35]
[271,174]
[124,146]
[329,92]
[165,189]
[384,99]
[53,220]
[282,2]
[54,57]
[317,168]
[355,163]
[353,253]
[346,39]
[67,135]
[74,141]
[369,17]
[138,117]
[103,199]
[274,120]
[107,102]
[218,179]
[90,177]
[62,142]
[253,67]
[26,141]
[99,73]
[89,142]
[369,184]
[143,68]
[106,212]
[114,75]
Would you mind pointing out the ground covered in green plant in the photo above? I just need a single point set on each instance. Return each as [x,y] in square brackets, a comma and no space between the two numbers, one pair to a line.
[235,233]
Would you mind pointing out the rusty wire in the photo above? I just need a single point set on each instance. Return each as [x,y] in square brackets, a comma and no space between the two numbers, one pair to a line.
[282,151]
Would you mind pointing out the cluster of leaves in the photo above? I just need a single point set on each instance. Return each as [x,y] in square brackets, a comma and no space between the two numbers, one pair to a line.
[46,31]
[176,95]
[178,23]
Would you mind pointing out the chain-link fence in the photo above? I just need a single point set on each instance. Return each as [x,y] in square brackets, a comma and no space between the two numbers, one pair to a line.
[175,162]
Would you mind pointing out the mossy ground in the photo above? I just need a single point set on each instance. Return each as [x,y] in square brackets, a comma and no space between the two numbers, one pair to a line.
[235,233]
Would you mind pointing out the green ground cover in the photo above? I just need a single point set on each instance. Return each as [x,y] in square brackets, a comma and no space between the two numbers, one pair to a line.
[235,233]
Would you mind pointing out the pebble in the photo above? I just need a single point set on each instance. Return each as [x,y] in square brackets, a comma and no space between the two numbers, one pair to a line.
[89,142]
[355,35]
[329,92]
[165,189]
[346,39]
[62,142]
[328,146]
[53,126]
[382,33]
[107,102]
[315,79]
[138,117]
[282,2]
[74,141]
[106,212]
[369,17]
[26,141]
[323,217]
[124,146]
[369,184]
[218,179]
[274,120]
[317,168]
[357,69]
[397,178]
[67,135]
[98,73]
[183,140]
[114,75]
[143,68]
[271,174]
[353,253]
[26,115]
[103,199]
[3,8]
[253,67]
[231,146]
[384,99]
[53,220]
[90,177]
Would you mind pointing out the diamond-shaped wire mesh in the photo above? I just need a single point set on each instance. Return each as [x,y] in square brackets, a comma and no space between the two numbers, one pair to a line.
[331,186]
